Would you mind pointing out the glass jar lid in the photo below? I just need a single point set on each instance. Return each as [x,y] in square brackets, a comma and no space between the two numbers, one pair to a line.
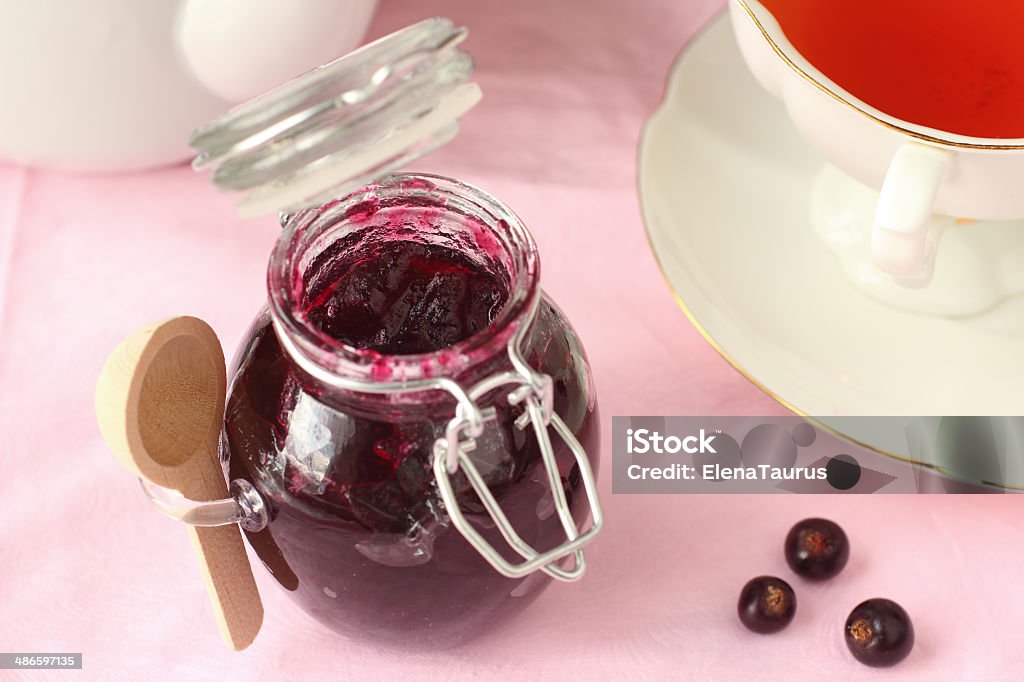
[344,124]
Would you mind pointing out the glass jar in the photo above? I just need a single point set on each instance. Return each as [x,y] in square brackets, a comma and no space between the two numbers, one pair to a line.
[411,428]
[359,530]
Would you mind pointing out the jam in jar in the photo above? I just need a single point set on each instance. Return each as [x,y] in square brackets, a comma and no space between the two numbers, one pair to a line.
[406,346]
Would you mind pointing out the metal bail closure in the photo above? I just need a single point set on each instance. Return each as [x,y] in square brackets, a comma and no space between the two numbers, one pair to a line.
[453,452]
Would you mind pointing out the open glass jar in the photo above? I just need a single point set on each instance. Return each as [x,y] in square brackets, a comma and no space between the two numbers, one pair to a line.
[411,425]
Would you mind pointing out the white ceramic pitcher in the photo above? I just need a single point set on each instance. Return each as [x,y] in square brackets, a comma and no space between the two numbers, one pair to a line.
[113,85]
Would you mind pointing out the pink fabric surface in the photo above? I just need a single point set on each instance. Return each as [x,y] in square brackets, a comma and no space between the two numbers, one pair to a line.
[87,565]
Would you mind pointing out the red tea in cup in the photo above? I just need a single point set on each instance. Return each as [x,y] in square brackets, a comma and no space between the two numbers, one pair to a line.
[953,65]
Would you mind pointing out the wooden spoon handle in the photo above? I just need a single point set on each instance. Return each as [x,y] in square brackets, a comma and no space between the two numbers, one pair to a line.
[229,581]
[220,550]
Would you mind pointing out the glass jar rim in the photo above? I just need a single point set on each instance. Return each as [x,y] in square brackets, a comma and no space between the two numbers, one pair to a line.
[368,365]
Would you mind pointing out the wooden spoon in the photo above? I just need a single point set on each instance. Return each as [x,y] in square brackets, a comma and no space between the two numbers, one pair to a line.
[160,404]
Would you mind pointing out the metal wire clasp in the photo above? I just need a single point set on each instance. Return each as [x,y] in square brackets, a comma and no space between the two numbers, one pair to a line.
[533,391]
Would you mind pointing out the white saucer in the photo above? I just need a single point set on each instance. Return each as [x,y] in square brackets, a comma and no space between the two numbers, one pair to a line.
[725,184]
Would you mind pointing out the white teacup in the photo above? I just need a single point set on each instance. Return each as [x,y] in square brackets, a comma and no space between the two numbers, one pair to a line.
[917,171]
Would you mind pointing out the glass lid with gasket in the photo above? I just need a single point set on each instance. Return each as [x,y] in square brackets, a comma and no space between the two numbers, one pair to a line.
[411,426]
[344,124]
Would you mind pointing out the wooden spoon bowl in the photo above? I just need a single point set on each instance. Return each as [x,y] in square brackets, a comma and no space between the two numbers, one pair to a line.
[160,405]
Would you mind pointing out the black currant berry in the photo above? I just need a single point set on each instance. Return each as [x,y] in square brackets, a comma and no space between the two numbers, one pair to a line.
[879,633]
[817,549]
[766,604]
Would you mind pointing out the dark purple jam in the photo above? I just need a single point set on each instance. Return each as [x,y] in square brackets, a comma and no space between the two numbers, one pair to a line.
[358,531]
[404,298]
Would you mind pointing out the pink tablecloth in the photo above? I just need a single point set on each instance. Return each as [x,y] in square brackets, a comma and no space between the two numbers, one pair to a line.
[86,565]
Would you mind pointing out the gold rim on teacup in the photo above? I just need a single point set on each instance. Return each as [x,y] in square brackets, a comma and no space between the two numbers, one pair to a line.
[772,32]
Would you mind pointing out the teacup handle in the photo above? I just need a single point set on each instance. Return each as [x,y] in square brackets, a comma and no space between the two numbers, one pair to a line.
[899,239]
